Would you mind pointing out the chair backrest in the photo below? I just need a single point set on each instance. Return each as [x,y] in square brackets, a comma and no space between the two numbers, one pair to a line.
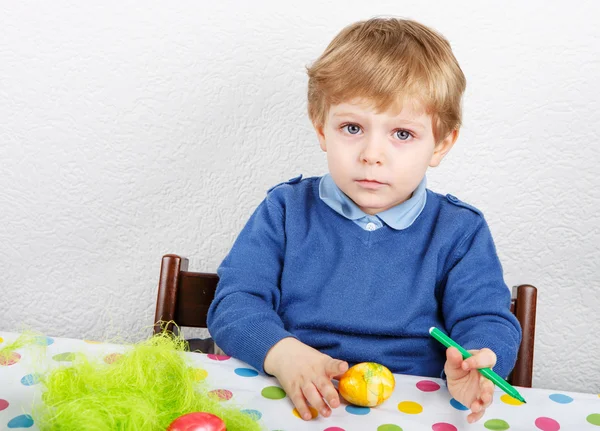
[524,307]
[184,298]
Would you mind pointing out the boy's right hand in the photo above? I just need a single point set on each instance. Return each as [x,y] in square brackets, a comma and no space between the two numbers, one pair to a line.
[305,375]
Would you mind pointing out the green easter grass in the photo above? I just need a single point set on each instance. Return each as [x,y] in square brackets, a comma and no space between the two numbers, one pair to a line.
[147,388]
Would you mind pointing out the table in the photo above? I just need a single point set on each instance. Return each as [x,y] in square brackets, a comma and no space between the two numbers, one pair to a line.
[416,404]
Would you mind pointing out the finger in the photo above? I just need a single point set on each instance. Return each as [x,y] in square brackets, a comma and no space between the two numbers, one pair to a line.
[328,392]
[486,392]
[315,399]
[474,417]
[335,368]
[299,402]
[476,406]
[483,358]
[454,361]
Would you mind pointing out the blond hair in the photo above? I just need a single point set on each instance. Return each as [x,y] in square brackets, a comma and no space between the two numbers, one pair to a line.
[388,62]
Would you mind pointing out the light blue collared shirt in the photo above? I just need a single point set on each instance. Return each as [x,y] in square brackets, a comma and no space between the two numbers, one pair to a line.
[398,217]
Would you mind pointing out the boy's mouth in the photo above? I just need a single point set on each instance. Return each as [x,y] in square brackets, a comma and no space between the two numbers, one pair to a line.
[370,184]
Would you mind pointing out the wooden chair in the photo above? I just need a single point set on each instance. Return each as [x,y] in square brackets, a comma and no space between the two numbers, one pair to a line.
[184,297]
[524,306]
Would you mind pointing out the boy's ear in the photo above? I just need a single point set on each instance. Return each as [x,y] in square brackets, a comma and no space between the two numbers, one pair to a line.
[321,136]
[443,147]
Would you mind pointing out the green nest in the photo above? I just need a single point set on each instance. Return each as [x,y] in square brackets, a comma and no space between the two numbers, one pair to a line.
[147,388]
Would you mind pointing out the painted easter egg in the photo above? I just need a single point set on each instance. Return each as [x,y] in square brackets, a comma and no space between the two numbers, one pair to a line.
[367,384]
[198,421]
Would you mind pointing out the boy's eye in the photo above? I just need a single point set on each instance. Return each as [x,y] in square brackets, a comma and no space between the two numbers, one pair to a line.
[403,135]
[353,129]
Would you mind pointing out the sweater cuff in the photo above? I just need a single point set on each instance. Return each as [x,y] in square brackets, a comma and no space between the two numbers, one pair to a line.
[505,357]
[257,338]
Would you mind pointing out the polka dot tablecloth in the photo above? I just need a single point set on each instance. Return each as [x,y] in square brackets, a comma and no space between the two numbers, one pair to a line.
[416,404]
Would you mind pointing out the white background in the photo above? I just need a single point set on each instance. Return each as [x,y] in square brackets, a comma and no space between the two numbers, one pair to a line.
[132,129]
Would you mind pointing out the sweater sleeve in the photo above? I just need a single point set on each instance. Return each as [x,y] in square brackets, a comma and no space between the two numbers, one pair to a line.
[242,318]
[476,301]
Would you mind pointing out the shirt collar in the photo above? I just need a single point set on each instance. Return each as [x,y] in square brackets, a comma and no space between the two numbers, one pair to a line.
[398,217]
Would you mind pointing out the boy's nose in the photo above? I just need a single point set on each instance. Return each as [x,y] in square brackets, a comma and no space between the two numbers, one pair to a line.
[372,153]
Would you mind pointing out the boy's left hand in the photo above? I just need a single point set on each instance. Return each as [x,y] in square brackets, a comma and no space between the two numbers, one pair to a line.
[466,384]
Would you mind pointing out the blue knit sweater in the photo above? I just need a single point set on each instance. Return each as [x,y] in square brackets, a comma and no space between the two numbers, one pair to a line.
[300,269]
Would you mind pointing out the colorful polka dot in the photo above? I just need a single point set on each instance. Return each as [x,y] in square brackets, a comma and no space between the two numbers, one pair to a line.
[273,393]
[198,374]
[356,410]
[112,358]
[313,412]
[246,372]
[334,429]
[496,425]
[30,379]
[443,426]
[222,394]
[3,404]
[561,398]
[547,424]
[8,359]
[23,421]
[254,414]
[410,407]
[457,405]
[43,341]
[1,340]
[594,419]
[64,357]
[218,357]
[427,386]
[507,399]
[92,342]
[389,427]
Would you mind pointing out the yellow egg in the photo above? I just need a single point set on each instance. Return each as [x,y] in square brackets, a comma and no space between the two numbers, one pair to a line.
[367,384]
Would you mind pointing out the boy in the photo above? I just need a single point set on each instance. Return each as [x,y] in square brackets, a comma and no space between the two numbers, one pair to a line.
[357,265]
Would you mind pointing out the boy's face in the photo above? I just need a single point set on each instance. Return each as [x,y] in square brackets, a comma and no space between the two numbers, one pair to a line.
[378,160]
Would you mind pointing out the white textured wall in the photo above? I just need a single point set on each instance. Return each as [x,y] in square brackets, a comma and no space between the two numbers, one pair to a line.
[132,129]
